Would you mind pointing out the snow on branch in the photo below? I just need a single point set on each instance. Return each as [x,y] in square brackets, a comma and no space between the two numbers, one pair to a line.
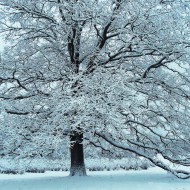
[179,173]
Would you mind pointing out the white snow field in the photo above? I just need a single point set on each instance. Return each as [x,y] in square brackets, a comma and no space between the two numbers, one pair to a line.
[151,179]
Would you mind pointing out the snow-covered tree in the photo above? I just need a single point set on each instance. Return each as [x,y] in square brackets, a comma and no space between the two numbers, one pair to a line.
[112,72]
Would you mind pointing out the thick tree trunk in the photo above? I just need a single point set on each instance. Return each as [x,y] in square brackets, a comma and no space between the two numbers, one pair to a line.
[77,154]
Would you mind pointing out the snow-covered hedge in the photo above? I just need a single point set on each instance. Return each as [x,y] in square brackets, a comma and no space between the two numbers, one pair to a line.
[42,165]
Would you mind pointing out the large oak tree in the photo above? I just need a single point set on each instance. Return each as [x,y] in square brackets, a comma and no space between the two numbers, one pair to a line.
[112,72]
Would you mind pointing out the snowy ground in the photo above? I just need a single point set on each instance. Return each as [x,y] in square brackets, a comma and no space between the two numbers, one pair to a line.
[151,179]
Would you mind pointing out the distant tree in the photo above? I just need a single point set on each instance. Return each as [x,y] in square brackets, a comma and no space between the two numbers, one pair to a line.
[112,72]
